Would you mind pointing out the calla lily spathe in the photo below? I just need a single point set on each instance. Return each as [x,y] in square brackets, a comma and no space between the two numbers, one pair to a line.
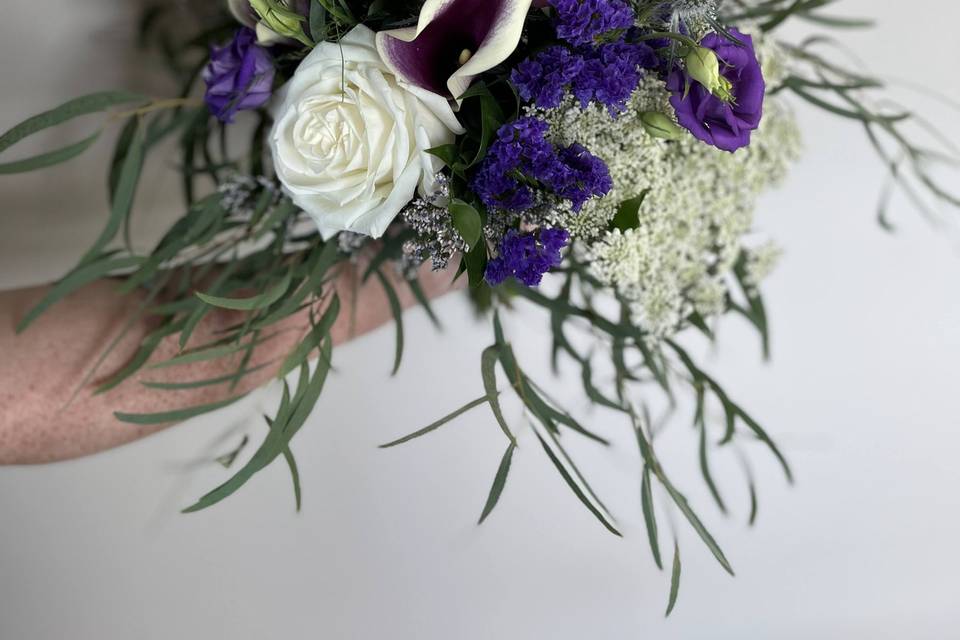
[453,42]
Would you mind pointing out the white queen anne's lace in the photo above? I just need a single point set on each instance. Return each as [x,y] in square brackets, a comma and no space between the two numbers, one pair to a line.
[699,205]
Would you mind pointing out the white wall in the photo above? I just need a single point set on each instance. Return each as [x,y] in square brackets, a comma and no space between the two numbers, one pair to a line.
[861,393]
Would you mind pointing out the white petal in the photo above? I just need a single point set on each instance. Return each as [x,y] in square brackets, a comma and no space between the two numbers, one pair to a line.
[502,41]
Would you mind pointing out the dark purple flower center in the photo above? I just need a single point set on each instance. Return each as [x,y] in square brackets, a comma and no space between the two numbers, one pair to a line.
[430,59]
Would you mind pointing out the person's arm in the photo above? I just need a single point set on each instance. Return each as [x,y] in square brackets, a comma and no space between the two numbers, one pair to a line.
[42,369]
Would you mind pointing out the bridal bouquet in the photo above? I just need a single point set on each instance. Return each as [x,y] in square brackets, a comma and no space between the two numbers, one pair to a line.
[601,159]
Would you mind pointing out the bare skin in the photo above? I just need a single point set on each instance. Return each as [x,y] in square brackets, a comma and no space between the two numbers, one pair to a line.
[48,413]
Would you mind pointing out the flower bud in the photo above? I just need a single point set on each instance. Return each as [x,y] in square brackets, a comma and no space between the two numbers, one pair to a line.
[276,17]
[704,67]
[660,125]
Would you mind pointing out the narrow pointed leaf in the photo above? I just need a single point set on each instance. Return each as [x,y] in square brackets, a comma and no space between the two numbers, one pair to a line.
[499,482]
[168,417]
[49,159]
[488,362]
[397,310]
[649,516]
[674,579]
[257,302]
[82,106]
[577,490]
[439,423]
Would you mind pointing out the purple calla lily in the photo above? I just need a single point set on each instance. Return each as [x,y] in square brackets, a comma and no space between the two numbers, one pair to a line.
[453,42]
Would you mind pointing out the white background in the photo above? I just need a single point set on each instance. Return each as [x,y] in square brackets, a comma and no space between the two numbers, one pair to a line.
[862,394]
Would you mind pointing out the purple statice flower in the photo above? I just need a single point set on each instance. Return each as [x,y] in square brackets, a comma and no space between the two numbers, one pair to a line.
[521,147]
[588,176]
[609,74]
[545,78]
[239,76]
[523,161]
[527,256]
[724,124]
[581,22]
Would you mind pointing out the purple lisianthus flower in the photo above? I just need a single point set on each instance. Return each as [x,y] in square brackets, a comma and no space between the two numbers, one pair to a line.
[527,256]
[725,124]
[239,76]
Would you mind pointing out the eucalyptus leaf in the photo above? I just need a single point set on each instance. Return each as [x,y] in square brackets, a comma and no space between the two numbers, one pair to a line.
[86,105]
[499,482]
[49,159]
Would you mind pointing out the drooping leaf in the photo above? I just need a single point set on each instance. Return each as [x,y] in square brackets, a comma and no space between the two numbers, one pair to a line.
[50,158]
[397,310]
[674,579]
[649,516]
[499,482]
[86,105]
[174,416]
[255,303]
[439,423]
[488,361]
[123,196]
[76,280]
[577,491]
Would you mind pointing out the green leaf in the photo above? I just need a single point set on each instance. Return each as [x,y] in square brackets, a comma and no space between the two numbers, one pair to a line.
[295,474]
[49,159]
[628,214]
[577,490]
[85,105]
[200,384]
[448,153]
[76,280]
[397,310]
[140,358]
[705,470]
[294,470]
[475,262]
[212,353]
[120,149]
[318,21]
[491,117]
[499,482]
[303,350]
[255,303]
[837,22]
[178,415]
[674,579]
[467,221]
[123,195]
[424,302]
[488,362]
[646,451]
[290,418]
[439,423]
[649,516]
[697,525]
[227,459]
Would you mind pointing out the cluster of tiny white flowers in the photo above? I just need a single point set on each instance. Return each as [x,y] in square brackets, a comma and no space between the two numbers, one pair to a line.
[699,204]
[760,263]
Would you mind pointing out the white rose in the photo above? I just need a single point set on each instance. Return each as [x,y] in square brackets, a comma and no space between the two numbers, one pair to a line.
[350,140]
